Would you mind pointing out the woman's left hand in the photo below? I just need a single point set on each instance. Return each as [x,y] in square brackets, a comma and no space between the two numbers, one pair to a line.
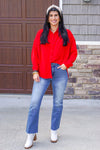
[63,67]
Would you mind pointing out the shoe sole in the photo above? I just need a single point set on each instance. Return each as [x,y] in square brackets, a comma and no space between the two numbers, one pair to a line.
[28,147]
[54,141]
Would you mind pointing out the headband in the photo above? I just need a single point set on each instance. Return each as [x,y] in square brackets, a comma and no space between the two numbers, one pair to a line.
[54,6]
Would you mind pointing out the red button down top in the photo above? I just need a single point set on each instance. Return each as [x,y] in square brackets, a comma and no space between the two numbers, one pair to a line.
[52,52]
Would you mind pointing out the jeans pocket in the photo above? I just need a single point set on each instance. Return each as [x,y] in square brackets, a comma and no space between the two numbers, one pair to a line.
[61,69]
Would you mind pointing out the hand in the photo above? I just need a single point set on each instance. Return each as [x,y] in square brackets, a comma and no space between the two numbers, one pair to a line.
[36,77]
[63,67]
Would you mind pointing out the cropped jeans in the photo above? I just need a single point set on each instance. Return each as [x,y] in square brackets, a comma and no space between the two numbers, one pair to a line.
[59,82]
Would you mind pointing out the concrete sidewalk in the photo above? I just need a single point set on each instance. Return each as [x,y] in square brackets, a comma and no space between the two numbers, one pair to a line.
[80,125]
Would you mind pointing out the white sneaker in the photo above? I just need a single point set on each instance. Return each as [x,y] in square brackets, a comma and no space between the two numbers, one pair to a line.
[54,137]
[29,141]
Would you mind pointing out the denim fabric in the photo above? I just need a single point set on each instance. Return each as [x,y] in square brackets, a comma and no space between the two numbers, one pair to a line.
[59,82]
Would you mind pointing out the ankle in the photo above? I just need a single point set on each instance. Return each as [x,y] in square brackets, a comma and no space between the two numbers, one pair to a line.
[54,136]
[30,135]
[53,131]
[29,140]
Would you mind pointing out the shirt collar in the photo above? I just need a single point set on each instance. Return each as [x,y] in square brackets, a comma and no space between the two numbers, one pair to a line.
[54,32]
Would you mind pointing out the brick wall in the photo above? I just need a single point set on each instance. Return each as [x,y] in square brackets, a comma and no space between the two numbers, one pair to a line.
[84,76]
[83,19]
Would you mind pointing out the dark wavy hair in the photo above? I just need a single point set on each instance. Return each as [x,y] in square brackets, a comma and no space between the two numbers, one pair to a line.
[46,27]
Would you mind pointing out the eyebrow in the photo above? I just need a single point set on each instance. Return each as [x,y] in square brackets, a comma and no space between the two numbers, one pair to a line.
[54,14]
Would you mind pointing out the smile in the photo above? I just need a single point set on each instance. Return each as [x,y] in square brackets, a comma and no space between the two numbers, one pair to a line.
[54,21]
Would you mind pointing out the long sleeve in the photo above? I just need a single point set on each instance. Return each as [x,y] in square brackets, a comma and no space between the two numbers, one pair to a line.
[34,57]
[35,52]
[72,53]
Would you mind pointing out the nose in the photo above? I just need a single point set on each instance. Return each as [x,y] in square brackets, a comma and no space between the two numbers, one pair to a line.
[53,17]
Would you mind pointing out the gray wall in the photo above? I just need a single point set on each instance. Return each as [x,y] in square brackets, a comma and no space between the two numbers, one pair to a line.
[83,19]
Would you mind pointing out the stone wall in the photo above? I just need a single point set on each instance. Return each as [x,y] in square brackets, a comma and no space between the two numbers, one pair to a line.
[83,19]
[84,76]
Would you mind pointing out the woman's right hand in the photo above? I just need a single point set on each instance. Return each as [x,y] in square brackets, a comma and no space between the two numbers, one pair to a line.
[36,77]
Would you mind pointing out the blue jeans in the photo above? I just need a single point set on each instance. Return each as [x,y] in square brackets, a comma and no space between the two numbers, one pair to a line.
[59,82]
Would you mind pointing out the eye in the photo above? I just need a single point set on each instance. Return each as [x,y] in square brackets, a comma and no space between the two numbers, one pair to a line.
[50,15]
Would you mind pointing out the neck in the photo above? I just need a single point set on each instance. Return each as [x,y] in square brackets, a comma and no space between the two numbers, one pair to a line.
[54,28]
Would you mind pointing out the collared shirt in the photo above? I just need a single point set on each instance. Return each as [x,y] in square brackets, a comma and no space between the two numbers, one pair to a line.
[52,52]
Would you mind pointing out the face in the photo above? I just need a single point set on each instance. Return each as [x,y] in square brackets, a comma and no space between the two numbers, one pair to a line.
[54,18]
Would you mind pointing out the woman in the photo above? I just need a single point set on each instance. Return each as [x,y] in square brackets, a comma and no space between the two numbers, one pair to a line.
[54,51]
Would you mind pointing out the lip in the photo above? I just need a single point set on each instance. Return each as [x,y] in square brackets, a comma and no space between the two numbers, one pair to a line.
[54,21]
